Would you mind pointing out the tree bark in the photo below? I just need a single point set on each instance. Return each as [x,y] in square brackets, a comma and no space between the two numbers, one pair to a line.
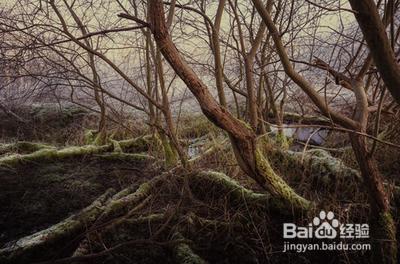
[375,35]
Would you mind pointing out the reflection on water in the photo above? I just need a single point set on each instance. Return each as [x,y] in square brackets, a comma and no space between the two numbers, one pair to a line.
[318,136]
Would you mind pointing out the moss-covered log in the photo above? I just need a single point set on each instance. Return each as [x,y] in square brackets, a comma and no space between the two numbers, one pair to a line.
[139,144]
[234,191]
[316,163]
[22,147]
[45,153]
[227,186]
[125,201]
[50,154]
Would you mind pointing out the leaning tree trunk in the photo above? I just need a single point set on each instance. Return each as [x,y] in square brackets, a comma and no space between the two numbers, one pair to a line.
[383,229]
[242,137]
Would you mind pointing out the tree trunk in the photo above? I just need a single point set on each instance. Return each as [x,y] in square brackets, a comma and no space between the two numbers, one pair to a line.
[375,35]
[219,72]
[173,143]
[383,229]
[243,139]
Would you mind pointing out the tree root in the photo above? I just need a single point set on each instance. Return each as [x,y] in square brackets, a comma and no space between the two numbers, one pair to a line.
[121,204]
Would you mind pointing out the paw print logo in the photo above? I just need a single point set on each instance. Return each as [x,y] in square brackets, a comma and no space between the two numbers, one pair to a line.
[326,225]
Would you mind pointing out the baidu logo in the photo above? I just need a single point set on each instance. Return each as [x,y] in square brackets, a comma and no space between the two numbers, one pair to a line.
[325,226]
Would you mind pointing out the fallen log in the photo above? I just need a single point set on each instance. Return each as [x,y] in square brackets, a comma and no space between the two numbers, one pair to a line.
[317,164]
[227,186]
[122,203]
[139,144]
[41,152]
[23,146]
[49,154]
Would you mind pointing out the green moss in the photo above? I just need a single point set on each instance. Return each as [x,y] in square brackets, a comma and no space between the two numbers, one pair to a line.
[116,146]
[278,186]
[282,140]
[235,190]
[184,254]
[49,154]
[115,207]
[316,163]
[79,151]
[142,143]
[231,189]
[89,136]
[170,154]
[386,221]
[100,139]
[13,160]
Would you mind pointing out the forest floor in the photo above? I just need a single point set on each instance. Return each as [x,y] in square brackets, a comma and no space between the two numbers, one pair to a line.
[94,205]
